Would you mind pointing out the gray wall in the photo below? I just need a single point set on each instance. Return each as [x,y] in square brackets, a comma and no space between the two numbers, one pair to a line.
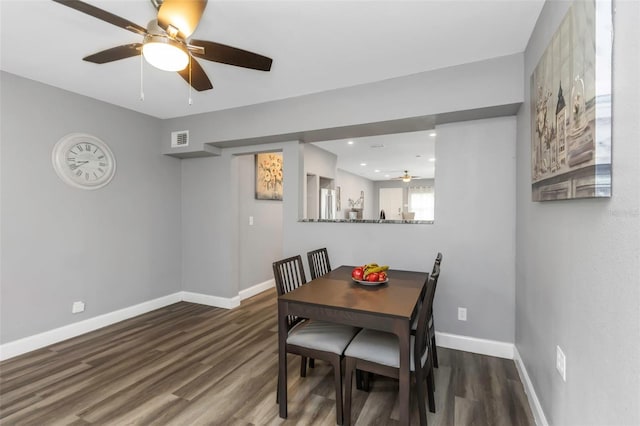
[475,205]
[262,240]
[578,262]
[475,213]
[490,83]
[350,187]
[213,250]
[111,248]
[475,210]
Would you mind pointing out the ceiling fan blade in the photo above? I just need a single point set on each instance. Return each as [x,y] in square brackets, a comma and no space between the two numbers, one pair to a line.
[199,79]
[183,15]
[115,53]
[224,54]
[103,15]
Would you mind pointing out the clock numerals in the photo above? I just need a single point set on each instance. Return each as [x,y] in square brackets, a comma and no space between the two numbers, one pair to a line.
[83,161]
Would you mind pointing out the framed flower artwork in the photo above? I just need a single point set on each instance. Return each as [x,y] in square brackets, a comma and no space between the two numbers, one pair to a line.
[269,176]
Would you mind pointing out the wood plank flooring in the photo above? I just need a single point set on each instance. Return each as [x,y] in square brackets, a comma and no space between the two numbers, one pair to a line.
[189,364]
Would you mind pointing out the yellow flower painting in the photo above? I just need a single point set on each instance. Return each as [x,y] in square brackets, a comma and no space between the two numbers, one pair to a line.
[269,176]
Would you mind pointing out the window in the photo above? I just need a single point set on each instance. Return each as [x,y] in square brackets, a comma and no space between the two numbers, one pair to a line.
[422,202]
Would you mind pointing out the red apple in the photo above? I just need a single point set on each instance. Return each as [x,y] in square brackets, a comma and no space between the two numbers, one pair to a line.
[357,273]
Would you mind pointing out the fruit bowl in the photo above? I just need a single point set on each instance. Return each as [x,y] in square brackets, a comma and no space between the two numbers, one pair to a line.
[370,274]
[371,283]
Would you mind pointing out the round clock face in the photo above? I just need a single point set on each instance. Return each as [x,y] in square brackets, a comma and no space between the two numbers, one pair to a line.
[83,161]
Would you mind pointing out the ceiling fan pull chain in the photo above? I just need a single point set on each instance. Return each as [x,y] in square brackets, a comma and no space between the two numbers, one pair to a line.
[190,100]
[141,78]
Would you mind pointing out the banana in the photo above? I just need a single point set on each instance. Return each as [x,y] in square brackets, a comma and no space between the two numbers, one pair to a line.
[377,269]
[370,269]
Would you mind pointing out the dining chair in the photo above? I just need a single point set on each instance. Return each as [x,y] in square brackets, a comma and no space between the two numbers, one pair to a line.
[379,352]
[318,262]
[311,338]
[432,328]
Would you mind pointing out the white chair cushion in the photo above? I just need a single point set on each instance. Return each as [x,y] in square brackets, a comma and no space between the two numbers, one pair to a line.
[379,347]
[322,336]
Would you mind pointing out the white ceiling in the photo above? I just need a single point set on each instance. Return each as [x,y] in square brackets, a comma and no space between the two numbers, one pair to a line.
[315,46]
[386,157]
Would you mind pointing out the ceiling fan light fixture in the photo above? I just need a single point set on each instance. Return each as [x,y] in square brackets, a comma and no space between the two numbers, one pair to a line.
[164,53]
[406,179]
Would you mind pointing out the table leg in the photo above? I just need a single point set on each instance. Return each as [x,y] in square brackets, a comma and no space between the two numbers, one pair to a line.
[282,358]
[405,374]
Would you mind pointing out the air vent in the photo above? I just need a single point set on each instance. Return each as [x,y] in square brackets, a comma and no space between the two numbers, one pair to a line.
[180,139]
[377,146]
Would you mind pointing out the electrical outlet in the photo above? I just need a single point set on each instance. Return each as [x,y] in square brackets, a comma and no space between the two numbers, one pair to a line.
[462,314]
[77,307]
[561,363]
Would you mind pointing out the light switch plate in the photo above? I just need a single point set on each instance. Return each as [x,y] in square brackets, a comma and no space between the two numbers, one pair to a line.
[462,314]
[77,307]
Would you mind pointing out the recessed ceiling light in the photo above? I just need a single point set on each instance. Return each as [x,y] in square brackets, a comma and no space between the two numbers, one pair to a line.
[432,134]
[350,143]
[377,171]
[432,159]
[363,164]
[387,175]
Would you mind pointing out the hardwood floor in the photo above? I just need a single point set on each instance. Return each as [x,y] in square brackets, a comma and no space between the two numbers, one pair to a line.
[189,364]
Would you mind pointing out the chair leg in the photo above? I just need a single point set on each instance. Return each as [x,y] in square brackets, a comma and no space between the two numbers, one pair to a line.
[337,372]
[431,387]
[303,366]
[420,387]
[366,380]
[350,365]
[278,390]
[435,352]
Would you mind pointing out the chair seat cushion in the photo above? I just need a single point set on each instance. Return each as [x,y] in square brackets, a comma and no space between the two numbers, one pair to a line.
[322,336]
[380,347]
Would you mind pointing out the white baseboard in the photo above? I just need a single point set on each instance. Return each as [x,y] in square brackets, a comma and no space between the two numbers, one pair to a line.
[475,345]
[534,402]
[258,288]
[37,341]
[216,301]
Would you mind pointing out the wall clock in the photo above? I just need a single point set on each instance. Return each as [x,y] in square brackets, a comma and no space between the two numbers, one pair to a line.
[83,161]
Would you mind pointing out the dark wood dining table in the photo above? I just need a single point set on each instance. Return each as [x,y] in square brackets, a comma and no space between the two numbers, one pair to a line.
[335,297]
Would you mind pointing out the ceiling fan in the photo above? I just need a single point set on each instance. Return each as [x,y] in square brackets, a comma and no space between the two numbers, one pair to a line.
[406,177]
[166,44]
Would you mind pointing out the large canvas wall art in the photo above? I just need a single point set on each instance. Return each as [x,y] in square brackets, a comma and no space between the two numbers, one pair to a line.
[269,176]
[571,107]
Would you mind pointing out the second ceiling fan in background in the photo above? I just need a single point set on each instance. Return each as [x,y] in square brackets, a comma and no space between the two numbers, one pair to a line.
[167,38]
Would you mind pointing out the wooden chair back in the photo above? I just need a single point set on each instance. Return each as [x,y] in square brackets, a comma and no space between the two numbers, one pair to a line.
[289,275]
[318,262]
[426,310]
[436,262]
